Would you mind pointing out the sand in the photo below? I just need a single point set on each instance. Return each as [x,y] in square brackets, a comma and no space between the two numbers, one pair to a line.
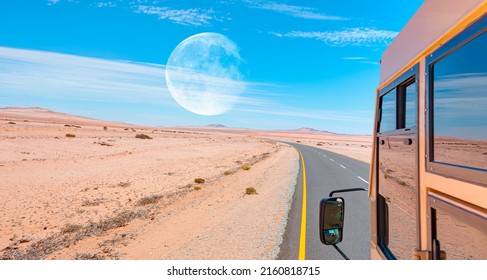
[105,194]
[78,188]
[358,147]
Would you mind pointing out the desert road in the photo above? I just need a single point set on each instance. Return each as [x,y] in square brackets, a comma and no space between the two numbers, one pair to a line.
[324,171]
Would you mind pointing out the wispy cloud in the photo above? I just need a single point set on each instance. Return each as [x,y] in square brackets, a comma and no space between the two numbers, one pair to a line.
[190,17]
[52,2]
[291,10]
[106,4]
[69,77]
[361,59]
[184,16]
[347,37]
[307,114]
[355,58]
[62,76]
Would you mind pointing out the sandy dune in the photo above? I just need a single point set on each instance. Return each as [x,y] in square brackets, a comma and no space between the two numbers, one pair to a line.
[78,188]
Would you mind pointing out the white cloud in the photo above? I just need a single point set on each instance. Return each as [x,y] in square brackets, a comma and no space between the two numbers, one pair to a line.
[277,34]
[52,2]
[323,115]
[106,4]
[361,59]
[291,10]
[355,58]
[188,17]
[193,17]
[347,37]
[60,76]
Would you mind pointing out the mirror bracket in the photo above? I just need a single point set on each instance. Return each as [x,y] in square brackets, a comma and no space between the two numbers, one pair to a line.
[346,190]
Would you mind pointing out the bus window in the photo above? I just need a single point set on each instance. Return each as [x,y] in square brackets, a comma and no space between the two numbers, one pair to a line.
[399,107]
[388,109]
[461,234]
[457,98]
[460,106]
[411,105]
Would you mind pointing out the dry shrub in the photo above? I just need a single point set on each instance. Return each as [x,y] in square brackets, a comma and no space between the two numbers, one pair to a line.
[228,172]
[120,220]
[143,136]
[199,180]
[152,199]
[88,256]
[246,167]
[40,249]
[124,184]
[250,191]
[71,228]
[94,202]
[69,135]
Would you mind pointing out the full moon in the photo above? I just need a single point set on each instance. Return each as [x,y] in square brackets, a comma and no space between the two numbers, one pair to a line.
[203,76]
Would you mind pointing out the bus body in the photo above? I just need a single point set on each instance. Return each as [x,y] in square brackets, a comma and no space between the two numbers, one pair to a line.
[428,177]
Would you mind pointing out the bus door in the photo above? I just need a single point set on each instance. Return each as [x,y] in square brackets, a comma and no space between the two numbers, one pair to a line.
[397,168]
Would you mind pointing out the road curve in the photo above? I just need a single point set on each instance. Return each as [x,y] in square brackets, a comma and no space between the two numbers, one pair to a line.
[321,172]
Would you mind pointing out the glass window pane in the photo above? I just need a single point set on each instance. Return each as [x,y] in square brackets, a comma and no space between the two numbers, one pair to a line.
[460,106]
[460,241]
[411,105]
[397,184]
[388,106]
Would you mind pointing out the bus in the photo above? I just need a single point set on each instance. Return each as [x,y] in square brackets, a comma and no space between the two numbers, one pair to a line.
[428,174]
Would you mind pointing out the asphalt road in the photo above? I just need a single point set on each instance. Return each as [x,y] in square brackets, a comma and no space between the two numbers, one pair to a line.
[326,171]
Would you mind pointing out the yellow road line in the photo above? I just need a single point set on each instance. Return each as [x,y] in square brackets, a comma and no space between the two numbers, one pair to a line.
[302,238]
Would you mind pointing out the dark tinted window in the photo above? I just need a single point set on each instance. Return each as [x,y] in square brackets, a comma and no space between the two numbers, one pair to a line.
[460,106]
[411,105]
[388,107]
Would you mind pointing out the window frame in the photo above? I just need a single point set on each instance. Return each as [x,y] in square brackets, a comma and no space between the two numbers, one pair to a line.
[449,170]
[399,84]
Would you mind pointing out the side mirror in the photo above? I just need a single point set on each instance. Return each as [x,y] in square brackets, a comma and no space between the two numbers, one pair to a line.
[332,213]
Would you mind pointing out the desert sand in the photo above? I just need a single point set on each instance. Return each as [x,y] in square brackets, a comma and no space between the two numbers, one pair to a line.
[358,147]
[78,188]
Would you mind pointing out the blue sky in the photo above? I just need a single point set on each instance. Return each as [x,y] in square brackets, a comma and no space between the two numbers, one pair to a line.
[307,63]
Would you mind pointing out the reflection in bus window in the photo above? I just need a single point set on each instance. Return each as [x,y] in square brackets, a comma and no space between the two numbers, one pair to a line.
[460,106]
[459,240]
[388,107]
[397,184]
[411,100]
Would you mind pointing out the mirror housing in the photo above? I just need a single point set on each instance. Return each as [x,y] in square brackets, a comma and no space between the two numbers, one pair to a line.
[332,214]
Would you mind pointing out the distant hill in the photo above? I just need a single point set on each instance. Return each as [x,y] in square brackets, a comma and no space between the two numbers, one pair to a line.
[43,115]
[306,130]
[48,116]
[217,125]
